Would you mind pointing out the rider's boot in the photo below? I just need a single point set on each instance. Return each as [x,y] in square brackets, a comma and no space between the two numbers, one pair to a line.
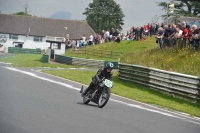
[86,90]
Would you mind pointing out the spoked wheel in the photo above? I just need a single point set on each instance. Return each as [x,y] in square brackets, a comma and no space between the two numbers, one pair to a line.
[103,99]
[86,100]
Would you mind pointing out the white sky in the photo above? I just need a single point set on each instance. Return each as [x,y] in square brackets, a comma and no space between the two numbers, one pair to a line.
[137,12]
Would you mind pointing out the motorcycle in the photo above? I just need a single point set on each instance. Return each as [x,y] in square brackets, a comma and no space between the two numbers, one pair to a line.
[100,94]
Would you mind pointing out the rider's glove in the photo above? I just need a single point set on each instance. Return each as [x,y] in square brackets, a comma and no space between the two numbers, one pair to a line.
[98,81]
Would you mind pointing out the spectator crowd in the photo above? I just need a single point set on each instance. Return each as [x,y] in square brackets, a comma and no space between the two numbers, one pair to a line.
[180,35]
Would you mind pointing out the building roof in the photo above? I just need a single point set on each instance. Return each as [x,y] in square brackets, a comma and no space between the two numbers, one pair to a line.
[38,26]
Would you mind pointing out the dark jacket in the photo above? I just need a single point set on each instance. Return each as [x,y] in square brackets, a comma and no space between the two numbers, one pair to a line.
[167,33]
[102,73]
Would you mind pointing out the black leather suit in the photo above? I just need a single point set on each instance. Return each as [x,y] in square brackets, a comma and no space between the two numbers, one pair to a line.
[102,72]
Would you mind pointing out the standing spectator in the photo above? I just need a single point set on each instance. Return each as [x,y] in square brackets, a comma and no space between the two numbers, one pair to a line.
[80,43]
[84,38]
[127,35]
[90,39]
[141,32]
[195,37]
[148,28]
[107,35]
[159,37]
[179,25]
[151,30]
[73,44]
[178,33]
[172,39]
[145,30]
[111,34]
[166,36]
[156,28]
[137,33]
[99,38]
[185,33]
[95,38]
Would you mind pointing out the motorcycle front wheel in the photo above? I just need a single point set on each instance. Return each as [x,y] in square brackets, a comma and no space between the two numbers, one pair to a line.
[103,99]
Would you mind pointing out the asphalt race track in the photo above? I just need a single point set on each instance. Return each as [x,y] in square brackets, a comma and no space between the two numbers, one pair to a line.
[34,102]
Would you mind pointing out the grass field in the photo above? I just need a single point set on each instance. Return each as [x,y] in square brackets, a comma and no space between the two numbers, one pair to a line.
[144,53]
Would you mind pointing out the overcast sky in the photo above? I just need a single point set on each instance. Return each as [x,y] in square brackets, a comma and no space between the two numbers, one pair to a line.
[137,12]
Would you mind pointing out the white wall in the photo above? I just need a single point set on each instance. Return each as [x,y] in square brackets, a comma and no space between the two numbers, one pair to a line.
[28,42]
[60,51]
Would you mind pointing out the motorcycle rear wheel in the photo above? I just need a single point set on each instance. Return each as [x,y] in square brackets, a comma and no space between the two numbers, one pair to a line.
[103,99]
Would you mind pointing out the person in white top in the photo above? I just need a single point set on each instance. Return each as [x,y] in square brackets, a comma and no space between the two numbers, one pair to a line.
[107,35]
[178,33]
[90,39]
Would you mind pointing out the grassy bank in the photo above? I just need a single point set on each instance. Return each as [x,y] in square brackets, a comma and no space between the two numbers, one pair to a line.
[123,46]
[147,53]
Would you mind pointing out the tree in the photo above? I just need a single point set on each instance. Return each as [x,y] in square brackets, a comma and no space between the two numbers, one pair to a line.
[26,8]
[21,13]
[104,15]
[25,13]
[182,8]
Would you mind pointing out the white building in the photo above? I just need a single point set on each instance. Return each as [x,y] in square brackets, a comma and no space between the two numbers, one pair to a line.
[33,32]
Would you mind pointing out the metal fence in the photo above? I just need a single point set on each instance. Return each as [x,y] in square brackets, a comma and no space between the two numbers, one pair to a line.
[98,53]
[23,50]
[178,85]
[82,61]
[45,58]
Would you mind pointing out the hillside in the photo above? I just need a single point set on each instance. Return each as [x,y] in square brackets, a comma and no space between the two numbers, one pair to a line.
[146,53]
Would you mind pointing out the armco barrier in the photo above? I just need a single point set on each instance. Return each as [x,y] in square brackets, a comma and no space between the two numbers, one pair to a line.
[23,50]
[45,58]
[82,61]
[179,85]
[98,53]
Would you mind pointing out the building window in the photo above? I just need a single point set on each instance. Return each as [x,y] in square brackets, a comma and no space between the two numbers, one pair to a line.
[14,37]
[56,45]
[37,39]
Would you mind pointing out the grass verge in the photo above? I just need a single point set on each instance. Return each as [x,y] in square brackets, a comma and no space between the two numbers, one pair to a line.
[31,60]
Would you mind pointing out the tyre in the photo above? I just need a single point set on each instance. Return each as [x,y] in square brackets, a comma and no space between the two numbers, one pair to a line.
[86,100]
[103,99]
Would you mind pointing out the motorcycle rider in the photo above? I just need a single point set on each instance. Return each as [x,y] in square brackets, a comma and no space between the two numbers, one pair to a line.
[105,71]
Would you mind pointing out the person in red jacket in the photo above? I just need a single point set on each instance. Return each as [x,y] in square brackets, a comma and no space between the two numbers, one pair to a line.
[185,33]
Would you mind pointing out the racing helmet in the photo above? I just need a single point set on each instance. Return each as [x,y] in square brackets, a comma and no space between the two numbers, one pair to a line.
[109,65]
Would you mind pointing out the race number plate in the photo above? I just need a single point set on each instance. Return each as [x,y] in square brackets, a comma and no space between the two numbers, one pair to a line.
[108,83]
